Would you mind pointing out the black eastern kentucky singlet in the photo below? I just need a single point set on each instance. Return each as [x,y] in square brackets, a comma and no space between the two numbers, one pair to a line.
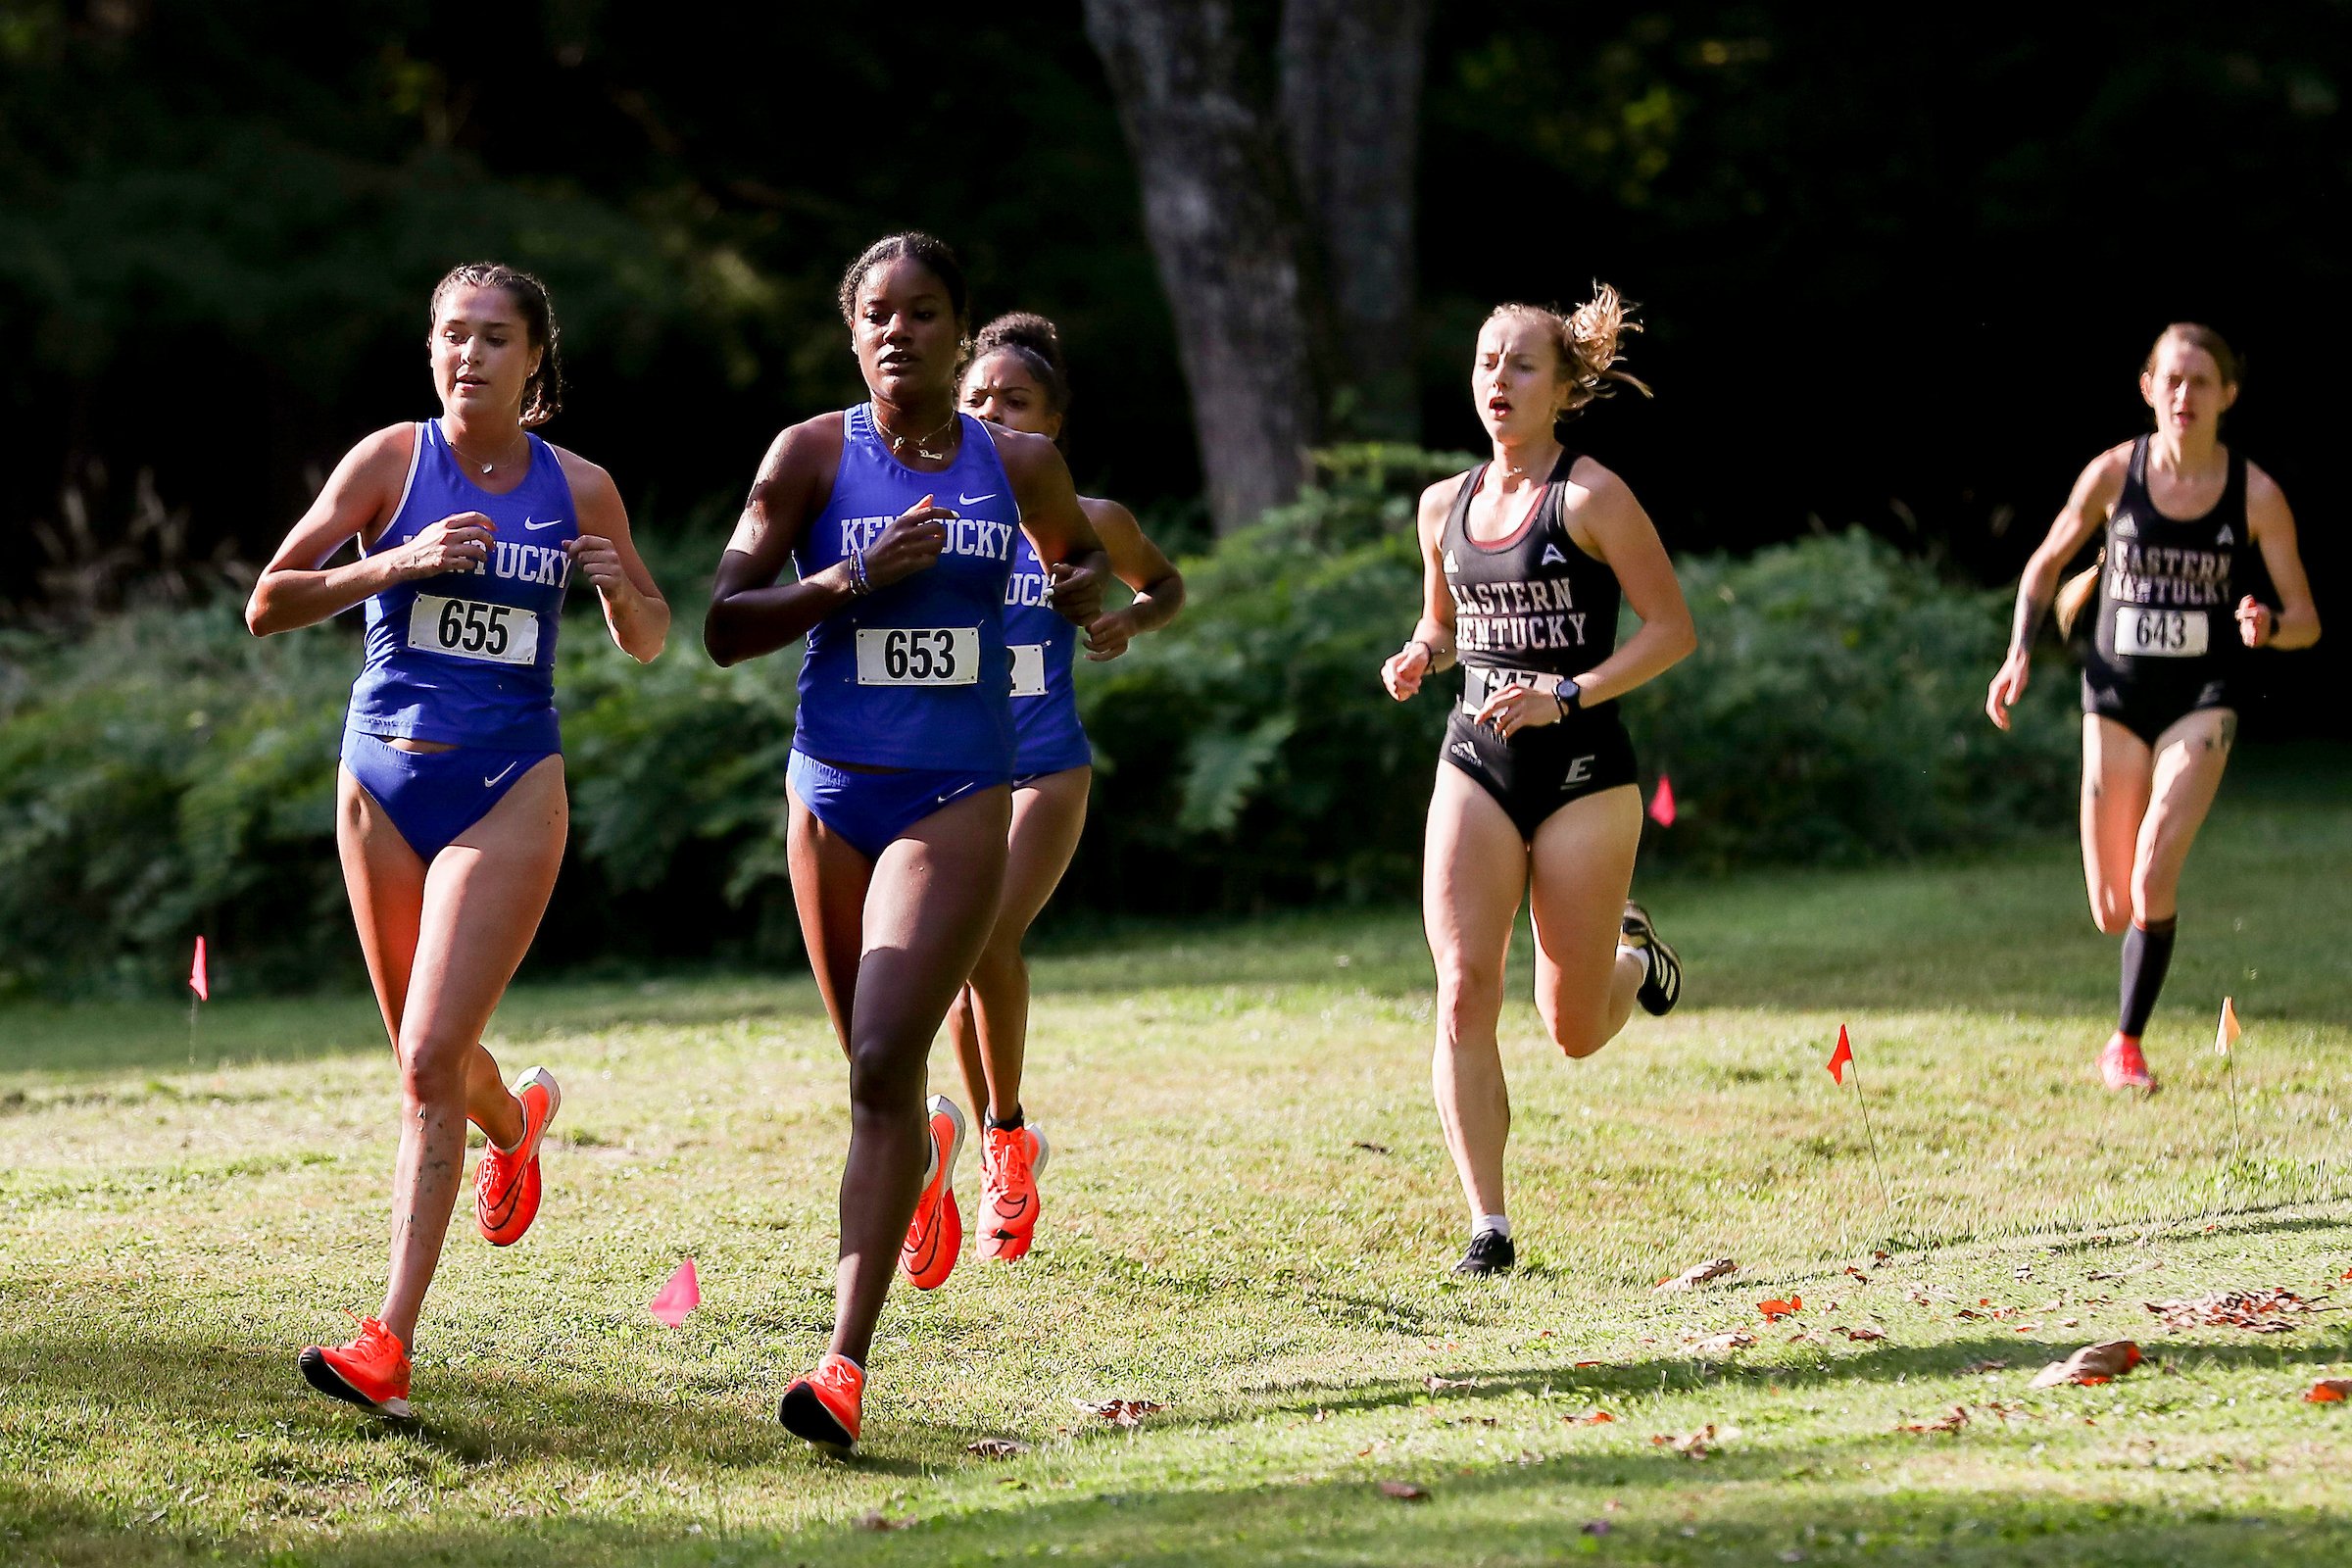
[2165,641]
[1533,610]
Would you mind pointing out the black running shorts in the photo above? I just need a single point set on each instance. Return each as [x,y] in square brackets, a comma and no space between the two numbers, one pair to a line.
[1542,768]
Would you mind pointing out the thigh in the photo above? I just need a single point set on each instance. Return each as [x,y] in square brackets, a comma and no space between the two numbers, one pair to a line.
[2117,769]
[386,883]
[928,912]
[1583,868]
[2191,756]
[1049,818]
[830,878]
[1472,873]
[483,897]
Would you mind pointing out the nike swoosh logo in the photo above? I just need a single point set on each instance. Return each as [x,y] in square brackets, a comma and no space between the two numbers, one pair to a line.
[492,782]
[551,522]
[956,792]
[973,501]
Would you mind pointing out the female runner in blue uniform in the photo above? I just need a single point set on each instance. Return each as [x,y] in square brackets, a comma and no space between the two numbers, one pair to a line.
[2163,674]
[451,811]
[898,517]
[1017,380]
[1535,794]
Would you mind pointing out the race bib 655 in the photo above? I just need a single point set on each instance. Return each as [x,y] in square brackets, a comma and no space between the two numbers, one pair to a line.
[468,628]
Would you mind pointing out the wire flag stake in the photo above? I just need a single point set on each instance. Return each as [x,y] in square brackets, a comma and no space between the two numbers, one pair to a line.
[1841,1060]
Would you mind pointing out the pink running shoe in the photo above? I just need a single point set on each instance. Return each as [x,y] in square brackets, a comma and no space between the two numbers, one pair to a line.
[936,1235]
[2121,1066]
[1010,1161]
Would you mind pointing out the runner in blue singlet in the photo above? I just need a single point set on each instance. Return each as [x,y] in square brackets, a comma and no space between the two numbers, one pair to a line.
[451,811]
[1017,380]
[898,519]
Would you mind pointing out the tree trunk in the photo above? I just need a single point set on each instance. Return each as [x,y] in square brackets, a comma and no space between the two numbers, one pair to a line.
[1352,74]
[1225,226]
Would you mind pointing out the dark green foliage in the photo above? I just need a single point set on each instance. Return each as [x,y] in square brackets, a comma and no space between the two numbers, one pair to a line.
[168,774]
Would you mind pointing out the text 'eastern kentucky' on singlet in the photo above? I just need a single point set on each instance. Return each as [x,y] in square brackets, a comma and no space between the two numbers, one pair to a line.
[468,658]
[2169,590]
[1048,735]
[1531,609]
[914,674]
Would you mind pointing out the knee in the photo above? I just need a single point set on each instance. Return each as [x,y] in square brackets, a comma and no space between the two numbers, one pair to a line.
[1576,1031]
[1467,997]
[432,1071]
[2111,911]
[999,962]
[885,1080]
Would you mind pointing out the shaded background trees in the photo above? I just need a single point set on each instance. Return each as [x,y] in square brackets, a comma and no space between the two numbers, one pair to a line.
[1897,267]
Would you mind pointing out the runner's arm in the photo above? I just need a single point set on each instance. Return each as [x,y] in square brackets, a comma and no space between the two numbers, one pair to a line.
[296,588]
[2097,490]
[635,613]
[1621,534]
[1429,650]
[1058,526]
[2296,622]
[1139,564]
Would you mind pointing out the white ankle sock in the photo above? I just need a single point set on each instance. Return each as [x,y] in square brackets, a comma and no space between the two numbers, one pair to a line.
[1499,1224]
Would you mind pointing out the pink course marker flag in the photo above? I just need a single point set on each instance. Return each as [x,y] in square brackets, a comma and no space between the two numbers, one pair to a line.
[681,1296]
[1661,804]
[196,976]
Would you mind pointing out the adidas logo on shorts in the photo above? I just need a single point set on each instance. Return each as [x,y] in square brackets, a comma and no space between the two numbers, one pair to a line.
[1464,750]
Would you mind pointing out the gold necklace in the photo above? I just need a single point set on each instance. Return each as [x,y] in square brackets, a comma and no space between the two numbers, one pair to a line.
[921,444]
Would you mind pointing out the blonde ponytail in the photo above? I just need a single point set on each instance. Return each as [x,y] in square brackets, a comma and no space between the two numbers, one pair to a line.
[1588,342]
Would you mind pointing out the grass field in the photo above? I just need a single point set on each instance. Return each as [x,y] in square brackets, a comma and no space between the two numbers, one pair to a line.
[1249,1215]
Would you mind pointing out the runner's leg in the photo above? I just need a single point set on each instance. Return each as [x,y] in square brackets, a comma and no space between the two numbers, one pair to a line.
[2117,770]
[483,898]
[1474,869]
[929,903]
[2189,759]
[990,1022]
[1582,867]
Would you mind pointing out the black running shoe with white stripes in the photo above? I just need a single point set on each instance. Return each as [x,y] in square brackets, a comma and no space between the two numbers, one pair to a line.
[1490,1252]
[1662,986]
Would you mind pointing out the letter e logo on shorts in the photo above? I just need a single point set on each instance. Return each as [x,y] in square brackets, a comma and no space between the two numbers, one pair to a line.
[1579,771]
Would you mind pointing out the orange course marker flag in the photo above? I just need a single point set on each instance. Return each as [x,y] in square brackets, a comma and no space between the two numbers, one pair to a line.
[2225,1035]
[1661,804]
[681,1296]
[197,980]
[1840,1056]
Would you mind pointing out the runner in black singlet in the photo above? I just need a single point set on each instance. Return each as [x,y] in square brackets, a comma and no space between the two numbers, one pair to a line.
[1534,794]
[2174,618]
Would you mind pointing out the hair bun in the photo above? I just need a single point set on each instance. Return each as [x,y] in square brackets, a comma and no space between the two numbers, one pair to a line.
[1024,329]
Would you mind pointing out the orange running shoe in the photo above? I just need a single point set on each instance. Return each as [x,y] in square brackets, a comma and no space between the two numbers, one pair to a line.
[505,1185]
[371,1372]
[823,1408]
[2121,1066]
[936,1235]
[1010,1161]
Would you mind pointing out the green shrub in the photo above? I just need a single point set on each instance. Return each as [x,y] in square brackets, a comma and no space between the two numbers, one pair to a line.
[167,774]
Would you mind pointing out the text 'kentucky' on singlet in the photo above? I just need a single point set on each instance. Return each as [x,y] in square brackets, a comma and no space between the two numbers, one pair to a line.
[468,658]
[1531,608]
[914,674]
[2169,590]
[1048,737]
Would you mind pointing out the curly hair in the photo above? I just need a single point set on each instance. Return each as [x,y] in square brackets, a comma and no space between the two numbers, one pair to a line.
[1037,343]
[543,393]
[1585,343]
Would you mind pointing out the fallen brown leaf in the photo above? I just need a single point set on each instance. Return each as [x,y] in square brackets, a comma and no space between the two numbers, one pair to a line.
[1714,1268]
[1724,1342]
[1435,1383]
[2260,1311]
[1594,1527]
[1592,1363]
[995,1448]
[2093,1363]
[1405,1491]
[1120,1412]
[1861,1336]
[1880,1257]
[1986,1365]
[1594,1419]
[2328,1391]
[1857,1273]
[1376,1149]
[1775,1311]
[1951,1420]
[883,1521]
[1692,1445]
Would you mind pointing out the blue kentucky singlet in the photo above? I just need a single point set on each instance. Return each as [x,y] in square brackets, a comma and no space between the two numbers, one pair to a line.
[912,675]
[1047,736]
[468,658]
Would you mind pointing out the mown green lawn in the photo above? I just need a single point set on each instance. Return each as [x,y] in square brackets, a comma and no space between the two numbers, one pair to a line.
[1248,1217]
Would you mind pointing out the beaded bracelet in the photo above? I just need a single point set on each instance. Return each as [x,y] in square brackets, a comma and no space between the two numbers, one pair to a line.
[859,586]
